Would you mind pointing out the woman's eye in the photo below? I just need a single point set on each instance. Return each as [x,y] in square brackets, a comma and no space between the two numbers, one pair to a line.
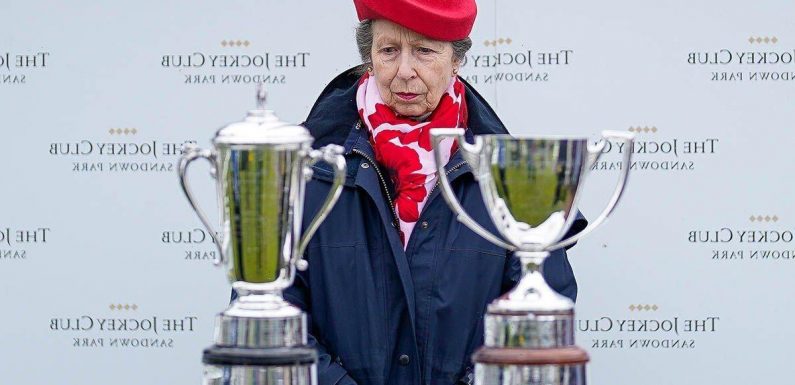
[388,50]
[424,50]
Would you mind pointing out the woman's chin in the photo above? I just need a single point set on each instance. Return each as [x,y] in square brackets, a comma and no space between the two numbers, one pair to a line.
[410,110]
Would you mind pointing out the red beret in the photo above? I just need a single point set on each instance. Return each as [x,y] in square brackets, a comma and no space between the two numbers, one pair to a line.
[446,20]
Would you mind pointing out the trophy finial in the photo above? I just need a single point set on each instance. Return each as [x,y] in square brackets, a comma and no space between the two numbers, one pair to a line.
[262,96]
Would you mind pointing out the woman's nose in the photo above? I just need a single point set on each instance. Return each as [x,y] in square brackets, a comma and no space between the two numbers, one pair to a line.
[406,69]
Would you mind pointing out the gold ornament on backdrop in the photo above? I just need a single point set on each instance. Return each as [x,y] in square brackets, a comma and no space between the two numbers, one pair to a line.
[644,129]
[123,131]
[235,43]
[765,40]
[765,218]
[646,307]
[495,42]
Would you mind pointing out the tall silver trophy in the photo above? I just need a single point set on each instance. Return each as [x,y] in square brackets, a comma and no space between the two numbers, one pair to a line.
[530,186]
[261,165]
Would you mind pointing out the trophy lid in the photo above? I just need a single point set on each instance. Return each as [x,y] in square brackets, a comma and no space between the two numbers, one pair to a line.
[260,127]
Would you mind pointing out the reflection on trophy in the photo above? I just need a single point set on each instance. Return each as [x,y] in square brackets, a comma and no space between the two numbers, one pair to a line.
[261,166]
[530,186]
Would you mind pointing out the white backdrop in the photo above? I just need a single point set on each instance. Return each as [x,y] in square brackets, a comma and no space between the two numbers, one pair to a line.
[105,276]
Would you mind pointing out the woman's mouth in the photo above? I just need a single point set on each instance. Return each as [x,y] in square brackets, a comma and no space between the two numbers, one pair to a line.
[406,95]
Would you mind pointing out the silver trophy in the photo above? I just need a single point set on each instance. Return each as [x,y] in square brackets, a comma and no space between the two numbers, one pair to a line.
[261,165]
[530,186]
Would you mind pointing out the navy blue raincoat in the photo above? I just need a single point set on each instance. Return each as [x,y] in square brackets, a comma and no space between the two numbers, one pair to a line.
[380,315]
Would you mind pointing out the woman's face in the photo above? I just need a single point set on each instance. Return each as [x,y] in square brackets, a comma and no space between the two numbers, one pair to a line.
[412,71]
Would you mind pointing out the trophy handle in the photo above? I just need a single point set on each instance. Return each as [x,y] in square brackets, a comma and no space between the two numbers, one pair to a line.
[192,153]
[331,154]
[594,153]
[472,154]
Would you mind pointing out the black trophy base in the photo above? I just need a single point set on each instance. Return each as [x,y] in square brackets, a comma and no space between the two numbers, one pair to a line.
[261,366]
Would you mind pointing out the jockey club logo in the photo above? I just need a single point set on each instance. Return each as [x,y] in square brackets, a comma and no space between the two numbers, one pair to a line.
[646,327]
[122,152]
[504,60]
[15,242]
[653,151]
[235,62]
[195,244]
[759,239]
[15,68]
[759,59]
[121,326]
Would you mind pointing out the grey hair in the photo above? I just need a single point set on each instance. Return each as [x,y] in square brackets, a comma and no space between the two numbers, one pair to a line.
[364,41]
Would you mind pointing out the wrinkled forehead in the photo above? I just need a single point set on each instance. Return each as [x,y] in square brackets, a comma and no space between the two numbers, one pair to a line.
[385,32]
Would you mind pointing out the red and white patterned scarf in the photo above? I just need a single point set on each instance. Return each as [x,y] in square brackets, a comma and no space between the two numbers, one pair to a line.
[403,146]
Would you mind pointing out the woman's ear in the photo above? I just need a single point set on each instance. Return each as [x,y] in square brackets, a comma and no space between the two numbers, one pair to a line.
[456,66]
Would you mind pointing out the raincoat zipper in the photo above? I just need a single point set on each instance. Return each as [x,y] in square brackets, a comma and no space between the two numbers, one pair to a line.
[383,183]
[448,172]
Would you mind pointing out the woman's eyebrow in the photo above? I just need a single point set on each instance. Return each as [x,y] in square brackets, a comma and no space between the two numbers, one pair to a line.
[384,39]
[426,42]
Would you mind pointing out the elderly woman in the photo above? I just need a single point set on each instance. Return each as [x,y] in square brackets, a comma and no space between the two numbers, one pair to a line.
[396,287]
